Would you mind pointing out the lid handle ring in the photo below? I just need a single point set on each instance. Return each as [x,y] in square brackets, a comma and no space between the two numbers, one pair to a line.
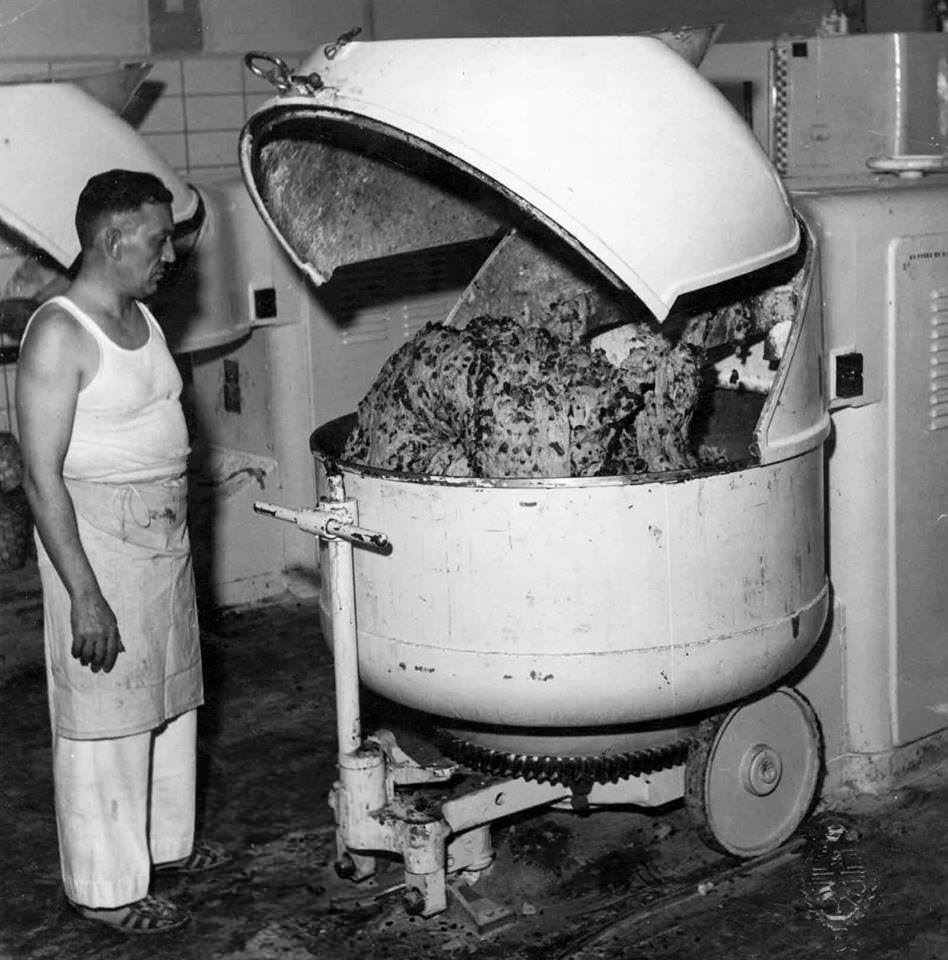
[279,74]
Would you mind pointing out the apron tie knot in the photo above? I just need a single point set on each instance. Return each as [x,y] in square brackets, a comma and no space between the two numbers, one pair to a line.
[132,504]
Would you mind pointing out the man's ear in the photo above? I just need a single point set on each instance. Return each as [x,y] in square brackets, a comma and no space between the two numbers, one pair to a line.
[112,242]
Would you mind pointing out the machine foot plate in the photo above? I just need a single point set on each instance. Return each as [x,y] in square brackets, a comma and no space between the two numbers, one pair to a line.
[488,915]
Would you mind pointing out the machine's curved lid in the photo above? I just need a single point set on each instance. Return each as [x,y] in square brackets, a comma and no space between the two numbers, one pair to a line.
[56,136]
[616,142]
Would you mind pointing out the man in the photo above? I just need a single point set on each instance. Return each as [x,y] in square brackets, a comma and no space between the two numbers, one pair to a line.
[105,446]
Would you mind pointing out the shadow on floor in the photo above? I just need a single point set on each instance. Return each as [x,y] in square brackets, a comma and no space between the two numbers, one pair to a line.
[616,884]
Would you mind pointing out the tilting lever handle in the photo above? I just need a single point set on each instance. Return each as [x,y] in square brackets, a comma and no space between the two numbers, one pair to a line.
[330,524]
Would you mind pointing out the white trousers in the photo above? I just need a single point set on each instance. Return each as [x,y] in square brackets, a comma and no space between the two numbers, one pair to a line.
[122,804]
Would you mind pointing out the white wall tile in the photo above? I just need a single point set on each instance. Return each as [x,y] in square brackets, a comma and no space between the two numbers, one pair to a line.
[171,146]
[168,73]
[214,112]
[212,149]
[212,75]
[253,101]
[166,115]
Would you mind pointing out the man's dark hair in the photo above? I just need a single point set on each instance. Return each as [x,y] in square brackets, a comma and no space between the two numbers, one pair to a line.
[115,191]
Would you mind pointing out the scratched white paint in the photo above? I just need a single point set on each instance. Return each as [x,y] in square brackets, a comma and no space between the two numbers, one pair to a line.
[571,611]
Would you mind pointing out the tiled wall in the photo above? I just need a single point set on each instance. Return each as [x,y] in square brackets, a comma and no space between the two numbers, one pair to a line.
[203,104]
[195,106]
[189,110]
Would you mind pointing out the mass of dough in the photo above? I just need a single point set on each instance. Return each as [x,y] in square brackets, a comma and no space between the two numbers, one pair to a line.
[499,399]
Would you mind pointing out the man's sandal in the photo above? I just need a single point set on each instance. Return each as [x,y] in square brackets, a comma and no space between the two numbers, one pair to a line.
[203,857]
[148,915]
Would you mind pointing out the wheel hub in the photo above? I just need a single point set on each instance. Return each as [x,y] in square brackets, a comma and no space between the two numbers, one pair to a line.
[761,770]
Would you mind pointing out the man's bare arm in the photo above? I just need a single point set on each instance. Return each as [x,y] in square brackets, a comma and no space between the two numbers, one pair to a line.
[49,376]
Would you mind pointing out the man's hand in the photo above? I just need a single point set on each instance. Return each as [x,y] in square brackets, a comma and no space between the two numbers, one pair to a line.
[96,642]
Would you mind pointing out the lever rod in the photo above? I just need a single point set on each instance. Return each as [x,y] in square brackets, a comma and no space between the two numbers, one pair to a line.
[327,524]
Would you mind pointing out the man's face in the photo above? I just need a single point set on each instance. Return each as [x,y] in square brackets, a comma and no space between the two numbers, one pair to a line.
[146,247]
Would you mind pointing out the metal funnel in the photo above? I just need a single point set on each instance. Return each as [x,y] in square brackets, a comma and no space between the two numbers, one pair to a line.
[691,42]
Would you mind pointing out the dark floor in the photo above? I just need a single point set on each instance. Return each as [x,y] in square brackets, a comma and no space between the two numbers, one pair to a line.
[617,884]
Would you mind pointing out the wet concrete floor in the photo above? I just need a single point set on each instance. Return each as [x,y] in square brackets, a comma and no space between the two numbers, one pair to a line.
[869,881]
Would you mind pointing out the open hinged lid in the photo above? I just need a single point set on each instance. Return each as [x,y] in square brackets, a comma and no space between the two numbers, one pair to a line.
[55,137]
[615,143]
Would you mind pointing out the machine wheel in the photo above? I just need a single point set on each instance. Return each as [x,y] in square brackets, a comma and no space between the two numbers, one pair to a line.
[752,773]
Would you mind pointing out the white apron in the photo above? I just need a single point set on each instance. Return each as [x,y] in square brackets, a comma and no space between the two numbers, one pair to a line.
[136,539]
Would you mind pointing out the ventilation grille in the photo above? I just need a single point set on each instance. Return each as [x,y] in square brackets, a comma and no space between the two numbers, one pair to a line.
[938,363]
[779,107]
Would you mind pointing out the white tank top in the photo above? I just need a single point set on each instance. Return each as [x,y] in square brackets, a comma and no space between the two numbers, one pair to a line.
[129,425]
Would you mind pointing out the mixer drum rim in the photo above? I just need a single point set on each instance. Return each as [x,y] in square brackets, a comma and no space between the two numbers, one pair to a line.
[326,443]
[586,604]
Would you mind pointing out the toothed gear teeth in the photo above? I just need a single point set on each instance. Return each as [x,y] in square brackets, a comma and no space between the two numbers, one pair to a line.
[570,771]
